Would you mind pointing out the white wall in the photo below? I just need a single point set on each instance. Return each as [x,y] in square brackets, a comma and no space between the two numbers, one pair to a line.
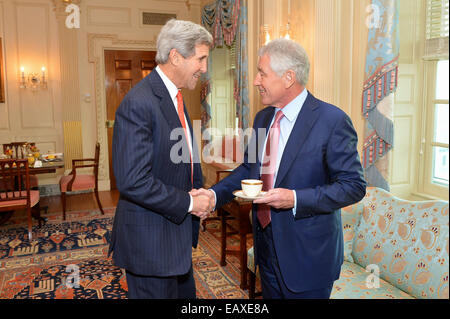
[29,34]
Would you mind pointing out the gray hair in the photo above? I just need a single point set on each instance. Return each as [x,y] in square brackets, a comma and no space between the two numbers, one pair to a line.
[181,35]
[287,55]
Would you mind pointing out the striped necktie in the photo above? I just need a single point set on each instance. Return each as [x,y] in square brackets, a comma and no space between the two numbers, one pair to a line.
[180,108]
[269,166]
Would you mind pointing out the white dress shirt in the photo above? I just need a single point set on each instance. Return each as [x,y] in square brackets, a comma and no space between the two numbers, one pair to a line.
[287,123]
[173,91]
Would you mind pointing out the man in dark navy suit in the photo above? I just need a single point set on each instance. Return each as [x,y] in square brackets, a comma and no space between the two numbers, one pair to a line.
[157,219]
[308,161]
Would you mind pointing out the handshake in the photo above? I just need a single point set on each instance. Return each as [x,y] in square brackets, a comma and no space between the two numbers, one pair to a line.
[204,202]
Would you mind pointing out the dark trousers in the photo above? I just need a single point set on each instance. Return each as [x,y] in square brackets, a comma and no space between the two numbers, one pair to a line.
[272,282]
[173,287]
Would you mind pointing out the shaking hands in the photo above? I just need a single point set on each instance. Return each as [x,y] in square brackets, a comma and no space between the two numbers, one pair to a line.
[204,202]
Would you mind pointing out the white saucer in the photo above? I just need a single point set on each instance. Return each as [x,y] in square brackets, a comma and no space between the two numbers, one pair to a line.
[241,194]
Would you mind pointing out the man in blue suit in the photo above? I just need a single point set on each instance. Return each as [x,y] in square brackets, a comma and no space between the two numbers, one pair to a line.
[157,219]
[310,170]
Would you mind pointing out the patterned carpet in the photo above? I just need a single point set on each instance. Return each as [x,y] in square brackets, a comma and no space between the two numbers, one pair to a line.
[68,260]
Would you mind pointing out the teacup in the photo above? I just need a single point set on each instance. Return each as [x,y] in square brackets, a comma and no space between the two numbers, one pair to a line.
[251,187]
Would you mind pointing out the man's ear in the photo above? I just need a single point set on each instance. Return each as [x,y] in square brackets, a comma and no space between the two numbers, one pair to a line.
[290,78]
[174,57]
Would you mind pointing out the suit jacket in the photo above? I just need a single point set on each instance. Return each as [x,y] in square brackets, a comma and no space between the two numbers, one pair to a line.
[321,163]
[153,233]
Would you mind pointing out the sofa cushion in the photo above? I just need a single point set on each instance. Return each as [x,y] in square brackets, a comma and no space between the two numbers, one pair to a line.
[407,240]
[352,285]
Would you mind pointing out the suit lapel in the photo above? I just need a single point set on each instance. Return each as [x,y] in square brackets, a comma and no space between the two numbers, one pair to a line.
[266,118]
[168,108]
[166,104]
[305,121]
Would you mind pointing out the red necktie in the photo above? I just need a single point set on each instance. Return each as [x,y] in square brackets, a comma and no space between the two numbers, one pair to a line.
[269,165]
[183,123]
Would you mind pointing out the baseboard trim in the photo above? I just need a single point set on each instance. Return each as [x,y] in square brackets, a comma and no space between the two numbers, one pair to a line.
[53,190]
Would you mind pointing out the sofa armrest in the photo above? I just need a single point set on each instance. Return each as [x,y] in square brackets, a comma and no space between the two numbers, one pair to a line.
[351,216]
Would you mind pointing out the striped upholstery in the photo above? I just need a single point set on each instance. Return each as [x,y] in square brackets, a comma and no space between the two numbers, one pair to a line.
[81,182]
[34,199]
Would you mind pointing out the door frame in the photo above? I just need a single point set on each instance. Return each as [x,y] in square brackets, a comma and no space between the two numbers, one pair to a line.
[97,44]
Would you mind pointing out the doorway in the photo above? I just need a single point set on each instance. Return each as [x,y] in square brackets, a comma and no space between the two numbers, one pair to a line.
[123,70]
[223,105]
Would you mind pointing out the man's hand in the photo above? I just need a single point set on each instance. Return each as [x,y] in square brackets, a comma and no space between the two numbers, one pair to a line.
[203,202]
[279,198]
[205,192]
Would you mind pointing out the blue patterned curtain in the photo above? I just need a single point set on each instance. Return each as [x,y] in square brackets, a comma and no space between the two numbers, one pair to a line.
[227,22]
[380,82]
[241,86]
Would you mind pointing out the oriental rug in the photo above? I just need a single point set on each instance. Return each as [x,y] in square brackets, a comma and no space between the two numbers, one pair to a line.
[68,260]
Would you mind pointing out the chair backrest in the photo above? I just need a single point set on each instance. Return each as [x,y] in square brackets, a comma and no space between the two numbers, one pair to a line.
[97,158]
[14,181]
[17,148]
[220,173]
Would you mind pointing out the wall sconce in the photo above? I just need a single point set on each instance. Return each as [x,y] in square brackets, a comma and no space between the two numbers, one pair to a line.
[284,31]
[33,81]
[266,34]
[287,32]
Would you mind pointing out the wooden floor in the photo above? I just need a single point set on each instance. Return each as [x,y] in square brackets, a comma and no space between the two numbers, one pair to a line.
[81,201]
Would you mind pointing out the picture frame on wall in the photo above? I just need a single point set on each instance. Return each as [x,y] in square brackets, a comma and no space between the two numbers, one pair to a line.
[2,75]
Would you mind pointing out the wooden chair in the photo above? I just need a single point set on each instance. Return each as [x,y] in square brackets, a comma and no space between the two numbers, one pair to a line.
[15,190]
[252,270]
[17,148]
[217,217]
[230,153]
[79,182]
[18,153]
[238,211]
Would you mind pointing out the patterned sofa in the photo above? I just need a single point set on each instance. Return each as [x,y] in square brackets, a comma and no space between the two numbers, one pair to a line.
[394,248]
